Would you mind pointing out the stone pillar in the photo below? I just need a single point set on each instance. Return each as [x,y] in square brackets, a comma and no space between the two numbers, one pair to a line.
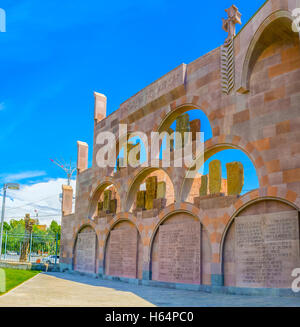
[113,205]
[215,177]
[99,208]
[106,202]
[100,107]
[67,199]
[182,126]
[203,186]
[151,191]
[82,156]
[161,190]
[140,199]
[235,178]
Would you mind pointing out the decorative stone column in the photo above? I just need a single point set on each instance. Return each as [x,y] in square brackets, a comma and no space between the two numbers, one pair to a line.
[67,198]
[100,107]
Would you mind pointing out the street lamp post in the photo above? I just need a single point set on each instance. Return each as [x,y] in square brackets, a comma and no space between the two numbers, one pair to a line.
[11,186]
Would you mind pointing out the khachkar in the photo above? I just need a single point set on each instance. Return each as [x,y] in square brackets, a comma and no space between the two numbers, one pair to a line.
[213,182]
[154,197]
[26,242]
[227,50]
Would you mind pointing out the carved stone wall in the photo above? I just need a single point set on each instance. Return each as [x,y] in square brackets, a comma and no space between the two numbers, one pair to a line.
[85,251]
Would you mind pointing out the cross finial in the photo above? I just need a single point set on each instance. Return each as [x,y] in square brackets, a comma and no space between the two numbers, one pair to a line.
[234,17]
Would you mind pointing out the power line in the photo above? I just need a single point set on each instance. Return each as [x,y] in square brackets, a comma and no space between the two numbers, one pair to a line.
[30,203]
[43,216]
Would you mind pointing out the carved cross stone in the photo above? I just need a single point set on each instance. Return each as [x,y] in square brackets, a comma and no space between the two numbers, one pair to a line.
[234,17]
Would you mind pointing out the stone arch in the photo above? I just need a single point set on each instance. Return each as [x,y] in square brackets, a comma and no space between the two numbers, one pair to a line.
[182,216]
[278,24]
[178,109]
[85,249]
[123,249]
[137,179]
[96,193]
[276,212]
[221,143]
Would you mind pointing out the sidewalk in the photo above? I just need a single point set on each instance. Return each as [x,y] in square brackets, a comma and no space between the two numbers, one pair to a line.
[62,289]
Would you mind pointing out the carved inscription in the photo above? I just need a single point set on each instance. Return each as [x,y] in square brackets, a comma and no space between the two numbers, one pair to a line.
[123,253]
[86,252]
[267,249]
[179,253]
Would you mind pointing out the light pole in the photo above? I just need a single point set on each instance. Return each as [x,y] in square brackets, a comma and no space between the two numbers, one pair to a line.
[67,168]
[11,186]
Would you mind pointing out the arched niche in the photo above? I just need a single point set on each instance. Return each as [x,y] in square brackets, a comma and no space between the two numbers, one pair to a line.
[225,157]
[260,247]
[181,251]
[171,117]
[188,187]
[169,124]
[85,251]
[124,251]
[98,196]
[275,29]
[138,181]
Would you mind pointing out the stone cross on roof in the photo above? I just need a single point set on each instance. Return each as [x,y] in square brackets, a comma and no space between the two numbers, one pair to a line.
[234,17]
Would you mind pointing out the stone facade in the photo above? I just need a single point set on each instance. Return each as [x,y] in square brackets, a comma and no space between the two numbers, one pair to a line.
[214,235]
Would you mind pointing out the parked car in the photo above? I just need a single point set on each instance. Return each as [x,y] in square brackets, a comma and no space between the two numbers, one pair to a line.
[50,259]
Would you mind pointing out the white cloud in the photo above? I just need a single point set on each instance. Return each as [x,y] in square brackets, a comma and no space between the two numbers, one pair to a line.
[6,178]
[43,197]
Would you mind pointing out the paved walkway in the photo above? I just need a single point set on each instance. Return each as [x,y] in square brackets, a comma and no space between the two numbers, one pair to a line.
[62,289]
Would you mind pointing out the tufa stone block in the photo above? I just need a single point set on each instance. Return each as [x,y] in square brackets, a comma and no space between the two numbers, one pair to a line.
[159,203]
[99,208]
[113,206]
[215,177]
[106,202]
[203,186]
[161,190]
[151,191]
[182,126]
[235,177]
[140,199]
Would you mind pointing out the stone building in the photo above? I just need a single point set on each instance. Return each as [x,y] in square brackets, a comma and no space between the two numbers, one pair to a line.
[157,227]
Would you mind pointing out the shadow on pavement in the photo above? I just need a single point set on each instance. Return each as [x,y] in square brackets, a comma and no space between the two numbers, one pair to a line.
[180,298]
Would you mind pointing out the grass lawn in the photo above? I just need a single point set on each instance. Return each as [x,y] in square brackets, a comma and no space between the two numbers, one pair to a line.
[15,277]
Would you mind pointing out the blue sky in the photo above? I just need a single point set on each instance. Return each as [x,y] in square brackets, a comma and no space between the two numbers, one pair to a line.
[55,54]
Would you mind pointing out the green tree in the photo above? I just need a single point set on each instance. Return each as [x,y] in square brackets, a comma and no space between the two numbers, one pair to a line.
[6,227]
[55,228]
